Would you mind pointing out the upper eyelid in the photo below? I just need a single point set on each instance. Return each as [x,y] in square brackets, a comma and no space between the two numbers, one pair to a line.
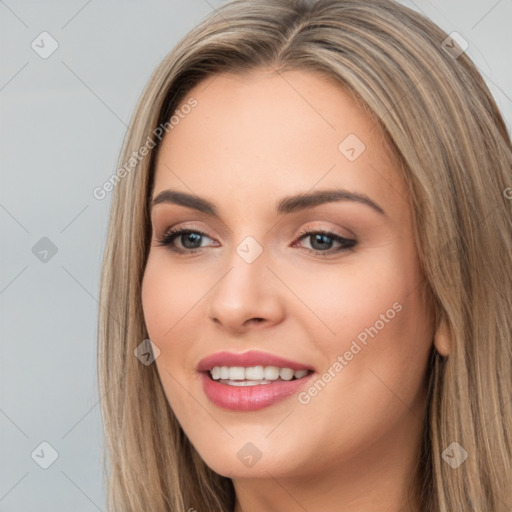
[300,232]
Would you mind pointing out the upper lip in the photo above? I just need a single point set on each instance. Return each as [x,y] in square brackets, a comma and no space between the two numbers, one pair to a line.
[246,359]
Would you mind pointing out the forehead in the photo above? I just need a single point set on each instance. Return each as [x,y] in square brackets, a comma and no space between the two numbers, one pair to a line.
[264,135]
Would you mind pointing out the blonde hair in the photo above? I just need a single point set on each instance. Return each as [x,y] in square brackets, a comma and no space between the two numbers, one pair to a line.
[453,147]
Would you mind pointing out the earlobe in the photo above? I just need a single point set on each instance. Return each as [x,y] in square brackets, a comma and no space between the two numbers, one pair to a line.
[442,339]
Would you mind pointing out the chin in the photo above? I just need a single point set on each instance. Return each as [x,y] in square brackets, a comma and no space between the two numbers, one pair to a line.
[251,455]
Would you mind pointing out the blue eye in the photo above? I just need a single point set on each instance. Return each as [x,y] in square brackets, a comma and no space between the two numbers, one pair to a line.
[190,241]
[321,239]
[188,238]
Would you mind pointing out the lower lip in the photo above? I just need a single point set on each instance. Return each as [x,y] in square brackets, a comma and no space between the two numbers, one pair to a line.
[250,398]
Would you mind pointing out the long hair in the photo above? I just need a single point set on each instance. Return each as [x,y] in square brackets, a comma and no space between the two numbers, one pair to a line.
[453,148]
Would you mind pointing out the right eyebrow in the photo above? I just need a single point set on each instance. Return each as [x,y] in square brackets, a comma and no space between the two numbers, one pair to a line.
[187,200]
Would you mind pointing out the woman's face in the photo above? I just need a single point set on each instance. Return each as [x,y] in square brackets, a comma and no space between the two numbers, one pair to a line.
[258,161]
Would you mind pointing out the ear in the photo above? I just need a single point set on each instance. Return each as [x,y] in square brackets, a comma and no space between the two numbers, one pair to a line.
[442,340]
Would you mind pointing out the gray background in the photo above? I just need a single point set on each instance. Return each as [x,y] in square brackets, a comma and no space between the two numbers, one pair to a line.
[63,119]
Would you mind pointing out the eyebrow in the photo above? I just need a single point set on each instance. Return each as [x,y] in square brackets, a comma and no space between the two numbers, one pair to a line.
[287,205]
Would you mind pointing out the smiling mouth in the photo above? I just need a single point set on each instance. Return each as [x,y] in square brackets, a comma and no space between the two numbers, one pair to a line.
[254,375]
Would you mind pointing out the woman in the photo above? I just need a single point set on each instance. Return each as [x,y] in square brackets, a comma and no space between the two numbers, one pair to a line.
[306,284]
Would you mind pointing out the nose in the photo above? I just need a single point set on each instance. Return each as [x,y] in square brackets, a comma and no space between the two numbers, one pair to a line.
[248,296]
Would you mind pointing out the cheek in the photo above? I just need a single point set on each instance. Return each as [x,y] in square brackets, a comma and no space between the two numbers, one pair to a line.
[168,295]
[157,299]
[360,300]
[384,337]
[168,299]
[375,330]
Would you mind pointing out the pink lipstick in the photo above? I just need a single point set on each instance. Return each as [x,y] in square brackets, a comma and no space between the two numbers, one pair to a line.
[251,380]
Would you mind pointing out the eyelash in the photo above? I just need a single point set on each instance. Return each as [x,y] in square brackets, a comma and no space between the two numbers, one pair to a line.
[171,234]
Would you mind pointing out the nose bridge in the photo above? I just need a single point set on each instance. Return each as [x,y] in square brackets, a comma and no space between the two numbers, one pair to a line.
[246,276]
[245,291]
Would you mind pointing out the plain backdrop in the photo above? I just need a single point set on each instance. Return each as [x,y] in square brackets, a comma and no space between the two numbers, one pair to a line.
[63,119]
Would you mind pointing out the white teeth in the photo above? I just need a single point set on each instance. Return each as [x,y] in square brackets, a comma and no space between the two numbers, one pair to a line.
[253,375]
[300,373]
[286,373]
[246,382]
[271,372]
[236,373]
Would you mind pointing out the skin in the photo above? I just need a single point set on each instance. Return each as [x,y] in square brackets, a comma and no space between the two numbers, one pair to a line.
[250,141]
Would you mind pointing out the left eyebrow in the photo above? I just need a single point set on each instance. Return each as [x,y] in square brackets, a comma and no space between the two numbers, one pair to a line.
[286,205]
[299,202]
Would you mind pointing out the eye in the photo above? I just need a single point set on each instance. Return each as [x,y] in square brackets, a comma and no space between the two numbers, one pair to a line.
[322,241]
[190,239]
